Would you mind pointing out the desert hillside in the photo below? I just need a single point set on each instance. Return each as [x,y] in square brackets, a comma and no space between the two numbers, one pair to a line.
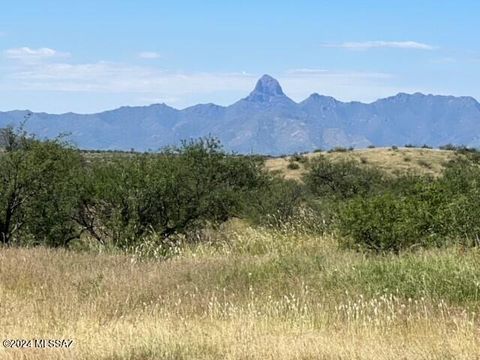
[393,161]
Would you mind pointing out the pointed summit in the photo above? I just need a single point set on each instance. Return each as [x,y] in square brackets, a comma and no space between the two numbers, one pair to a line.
[267,85]
[266,89]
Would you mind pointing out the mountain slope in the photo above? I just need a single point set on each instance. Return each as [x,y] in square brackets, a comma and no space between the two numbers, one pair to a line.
[269,122]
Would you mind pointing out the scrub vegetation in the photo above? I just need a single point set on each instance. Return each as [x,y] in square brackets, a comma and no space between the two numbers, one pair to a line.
[195,253]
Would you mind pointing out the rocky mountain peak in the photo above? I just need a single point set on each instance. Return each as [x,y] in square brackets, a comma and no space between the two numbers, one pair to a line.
[267,88]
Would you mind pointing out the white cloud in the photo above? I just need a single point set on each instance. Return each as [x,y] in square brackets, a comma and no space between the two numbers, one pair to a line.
[108,77]
[149,55]
[307,71]
[148,84]
[316,73]
[27,54]
[343,85]
[366,45]
[444,60]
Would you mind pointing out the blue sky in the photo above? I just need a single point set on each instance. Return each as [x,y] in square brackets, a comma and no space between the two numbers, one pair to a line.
[87,56]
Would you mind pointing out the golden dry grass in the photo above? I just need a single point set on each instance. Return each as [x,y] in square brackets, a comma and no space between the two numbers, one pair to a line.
[249,294]
[420,161]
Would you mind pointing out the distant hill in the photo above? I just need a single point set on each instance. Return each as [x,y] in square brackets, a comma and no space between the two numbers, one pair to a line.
[392,161]
[269,122]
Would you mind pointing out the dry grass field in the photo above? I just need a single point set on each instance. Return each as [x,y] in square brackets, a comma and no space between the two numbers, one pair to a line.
[420,161]
[249,294]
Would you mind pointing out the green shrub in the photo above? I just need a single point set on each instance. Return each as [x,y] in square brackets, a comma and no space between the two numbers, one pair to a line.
[293,165]
[296,157]
[304,160]
[50,212]
[173,192]
[342,179]
[384,222]
[338,149]
[417,211]
[301,158]
[38,190]
[449,147]
[276,202]
[459,213]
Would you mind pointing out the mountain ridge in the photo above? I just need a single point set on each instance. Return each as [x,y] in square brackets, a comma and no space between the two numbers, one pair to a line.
[267,121]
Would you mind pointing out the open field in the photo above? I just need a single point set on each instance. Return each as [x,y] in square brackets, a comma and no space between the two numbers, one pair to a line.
[419,161]
[248,294]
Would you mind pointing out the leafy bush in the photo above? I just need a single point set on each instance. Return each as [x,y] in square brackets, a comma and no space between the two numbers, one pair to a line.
[459,213]
[385,222]
[342,179]
[276,202]
[417,211]
[338,149]
[296,157]
[449,147]
[304,160]
[293,165]
[38,190]
[173,192]
[301,158]
[50,194]
[49,213]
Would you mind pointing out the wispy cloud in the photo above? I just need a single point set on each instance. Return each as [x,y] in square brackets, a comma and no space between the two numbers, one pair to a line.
[109,77]
[316,73]
[379,44]
[344,85]
[445,60]
[146,84]
[27,54]
[306,71]
[149,55]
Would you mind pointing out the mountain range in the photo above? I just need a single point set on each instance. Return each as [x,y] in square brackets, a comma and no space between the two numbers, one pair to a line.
[268,122]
